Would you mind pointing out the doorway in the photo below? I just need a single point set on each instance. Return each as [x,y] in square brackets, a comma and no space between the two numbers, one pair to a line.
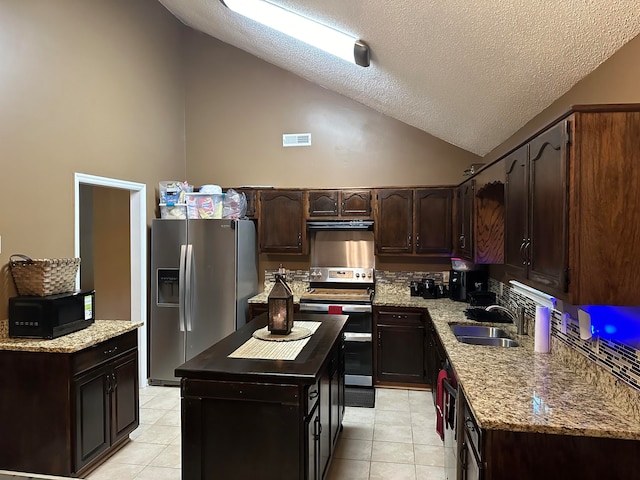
[90,189]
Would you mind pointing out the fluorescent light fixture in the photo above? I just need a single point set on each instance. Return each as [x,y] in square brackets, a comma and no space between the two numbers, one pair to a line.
[304,29]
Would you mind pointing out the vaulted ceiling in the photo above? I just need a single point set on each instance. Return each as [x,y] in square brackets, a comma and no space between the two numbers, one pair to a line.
[469,72]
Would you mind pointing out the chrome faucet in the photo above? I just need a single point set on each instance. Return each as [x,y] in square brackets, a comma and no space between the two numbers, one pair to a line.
[516,318]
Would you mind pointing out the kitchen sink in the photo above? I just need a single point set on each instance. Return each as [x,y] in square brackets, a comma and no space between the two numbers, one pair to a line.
[478,331]
[482,335]
[489,341]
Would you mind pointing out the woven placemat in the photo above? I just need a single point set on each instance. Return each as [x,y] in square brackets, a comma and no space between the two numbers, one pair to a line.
[297,333]
[259,349]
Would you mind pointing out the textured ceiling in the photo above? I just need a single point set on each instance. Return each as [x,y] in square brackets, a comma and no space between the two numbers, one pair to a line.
[469,72]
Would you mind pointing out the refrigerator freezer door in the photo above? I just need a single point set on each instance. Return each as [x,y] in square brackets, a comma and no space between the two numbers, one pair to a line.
[212,283]
[167,342]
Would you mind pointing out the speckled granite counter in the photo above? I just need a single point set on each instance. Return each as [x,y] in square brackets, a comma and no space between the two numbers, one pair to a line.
[100,331]
[516,389]
[298,288]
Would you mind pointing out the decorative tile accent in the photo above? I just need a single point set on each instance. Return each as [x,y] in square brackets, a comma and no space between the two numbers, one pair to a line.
[405,278]
[593,356]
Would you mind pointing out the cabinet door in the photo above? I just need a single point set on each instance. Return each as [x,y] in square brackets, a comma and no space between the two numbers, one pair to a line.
[92,415]
[355,203]
[433,221]
[280,225]
[547,250]
[325,421]
[124,396]
[323,203]
[516,207]
[401,354]
[313,446]
[394,221]
[464,244]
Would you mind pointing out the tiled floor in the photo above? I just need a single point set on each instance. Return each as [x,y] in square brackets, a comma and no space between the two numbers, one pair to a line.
[394,441]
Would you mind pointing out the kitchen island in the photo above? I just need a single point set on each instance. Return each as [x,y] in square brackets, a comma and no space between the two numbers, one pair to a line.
[249,417]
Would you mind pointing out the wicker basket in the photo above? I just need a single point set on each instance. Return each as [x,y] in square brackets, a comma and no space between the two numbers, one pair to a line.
[43,277]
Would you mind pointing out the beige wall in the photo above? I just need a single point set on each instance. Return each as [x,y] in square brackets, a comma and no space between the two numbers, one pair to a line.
[617,80]
[238,107]
[85,86]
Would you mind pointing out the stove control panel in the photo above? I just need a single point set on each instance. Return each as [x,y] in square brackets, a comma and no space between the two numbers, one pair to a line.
[341,275]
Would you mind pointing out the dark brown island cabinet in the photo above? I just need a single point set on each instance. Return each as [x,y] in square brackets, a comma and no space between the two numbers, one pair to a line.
[260,418]
[65,413]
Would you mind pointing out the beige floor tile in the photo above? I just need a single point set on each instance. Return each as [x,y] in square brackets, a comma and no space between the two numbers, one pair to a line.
[429,455]
[119,471]
[163,402]
[392,471]
[169,457]
[394,452]
[357,431]
[426,436]
[159,434]
[396,394]
[353,449]
[149,416]
[137,453]
[170,418]
[344,469]
[424,472]
[159,473]
[359,415]
[393,417]
[392,433]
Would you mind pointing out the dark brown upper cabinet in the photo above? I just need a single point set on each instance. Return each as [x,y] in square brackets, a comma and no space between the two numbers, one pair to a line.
[281,222]
[572,201]
[339,203]
[409,221]
[393,215]
[432,224]
[251,195]
[463,243]
[536,209]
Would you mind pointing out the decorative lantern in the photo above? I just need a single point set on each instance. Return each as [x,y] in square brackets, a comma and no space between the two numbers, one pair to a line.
[280,307]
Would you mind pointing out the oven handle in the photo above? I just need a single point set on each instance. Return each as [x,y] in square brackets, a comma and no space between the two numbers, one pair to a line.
[357,337]
[324,308]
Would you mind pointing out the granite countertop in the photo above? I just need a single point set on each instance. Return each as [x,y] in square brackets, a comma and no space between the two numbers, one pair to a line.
[517,389]
[99,331]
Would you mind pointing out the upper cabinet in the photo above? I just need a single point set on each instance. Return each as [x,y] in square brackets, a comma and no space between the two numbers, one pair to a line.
[409,221]
[537,205]
[463,246]
[393,227]
[572,202]
[432,224]
[281,222]
[339,203]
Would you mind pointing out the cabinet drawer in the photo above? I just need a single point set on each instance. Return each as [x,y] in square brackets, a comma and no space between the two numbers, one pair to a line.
[400,318]
[104,351]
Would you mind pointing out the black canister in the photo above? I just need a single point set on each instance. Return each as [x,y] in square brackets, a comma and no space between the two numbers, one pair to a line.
[416,289]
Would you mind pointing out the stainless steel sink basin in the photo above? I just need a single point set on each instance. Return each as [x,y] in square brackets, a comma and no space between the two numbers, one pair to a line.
[478,331]
[489,341]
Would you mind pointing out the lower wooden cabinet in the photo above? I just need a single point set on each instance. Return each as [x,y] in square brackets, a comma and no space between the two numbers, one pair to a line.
[67,412]
[400,347]
[106,407]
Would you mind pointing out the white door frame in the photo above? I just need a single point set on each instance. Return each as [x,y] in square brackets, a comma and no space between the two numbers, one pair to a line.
[138,246]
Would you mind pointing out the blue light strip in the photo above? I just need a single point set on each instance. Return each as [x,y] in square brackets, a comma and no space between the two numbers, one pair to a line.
[621,324]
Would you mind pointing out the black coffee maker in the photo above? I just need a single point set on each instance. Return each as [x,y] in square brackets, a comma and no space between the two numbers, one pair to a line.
[463,283]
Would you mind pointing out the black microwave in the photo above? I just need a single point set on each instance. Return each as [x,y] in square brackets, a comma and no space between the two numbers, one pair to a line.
[51,316]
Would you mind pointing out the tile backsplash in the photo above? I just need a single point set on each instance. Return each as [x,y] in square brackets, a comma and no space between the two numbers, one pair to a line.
[622,361]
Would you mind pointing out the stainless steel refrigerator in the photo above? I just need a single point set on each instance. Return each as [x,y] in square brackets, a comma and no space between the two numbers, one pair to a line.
[202,274]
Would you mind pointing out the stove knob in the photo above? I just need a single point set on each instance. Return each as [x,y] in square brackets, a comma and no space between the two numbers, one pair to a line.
[357,275]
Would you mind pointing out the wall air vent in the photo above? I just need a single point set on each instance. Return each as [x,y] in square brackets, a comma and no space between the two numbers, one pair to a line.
[296,140]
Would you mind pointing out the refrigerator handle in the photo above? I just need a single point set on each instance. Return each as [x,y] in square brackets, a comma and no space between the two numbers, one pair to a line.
[181,286]
[188,293]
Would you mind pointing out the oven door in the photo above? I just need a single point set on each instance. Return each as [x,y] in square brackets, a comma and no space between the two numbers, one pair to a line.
[450,423]
[358,354]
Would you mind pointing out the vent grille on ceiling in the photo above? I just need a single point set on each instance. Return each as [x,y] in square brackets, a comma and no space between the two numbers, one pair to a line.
[296,139]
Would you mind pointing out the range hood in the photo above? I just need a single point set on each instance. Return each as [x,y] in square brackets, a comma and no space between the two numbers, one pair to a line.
[316,225]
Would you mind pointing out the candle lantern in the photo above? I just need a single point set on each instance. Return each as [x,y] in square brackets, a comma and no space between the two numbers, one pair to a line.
[280,307]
